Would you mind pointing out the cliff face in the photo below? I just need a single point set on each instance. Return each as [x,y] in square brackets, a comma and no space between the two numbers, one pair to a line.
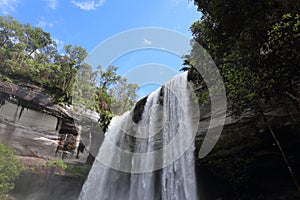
[33,97]
[36,126]
[42,134]
[245,159]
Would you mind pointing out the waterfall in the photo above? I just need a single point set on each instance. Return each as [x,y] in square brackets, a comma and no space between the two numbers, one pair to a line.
[153,158]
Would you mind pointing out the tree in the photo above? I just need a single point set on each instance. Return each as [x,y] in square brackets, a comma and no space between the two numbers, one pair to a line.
[10,169]
[85,88]
[237,36]
[10,30]
[29,54]
[34,38]
[106,79]
[105,92]
[124,96]
[255,45]
[70,63]
[282,53]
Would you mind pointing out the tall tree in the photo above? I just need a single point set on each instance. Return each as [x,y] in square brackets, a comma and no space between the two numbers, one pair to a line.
[255,45]
[124,96]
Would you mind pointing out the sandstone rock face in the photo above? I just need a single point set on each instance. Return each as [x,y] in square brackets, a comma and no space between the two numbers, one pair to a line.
[32,135]
[28,117]
[33,124]
[33,97]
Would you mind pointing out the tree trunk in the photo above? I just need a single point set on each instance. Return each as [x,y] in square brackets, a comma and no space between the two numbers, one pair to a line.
[289,112]
[281,151]
[294,100]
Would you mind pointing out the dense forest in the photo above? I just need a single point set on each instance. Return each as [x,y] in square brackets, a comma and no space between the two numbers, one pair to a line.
[31,58]
[255,46]
[29,54]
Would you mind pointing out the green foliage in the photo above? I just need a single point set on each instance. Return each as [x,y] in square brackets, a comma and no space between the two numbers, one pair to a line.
[56,163]
[114,95]
[10,169]
[255,45]
[103,91]
[283,54]
[124,96]
[29,54]
[80,171]
[233,155]
[85,87]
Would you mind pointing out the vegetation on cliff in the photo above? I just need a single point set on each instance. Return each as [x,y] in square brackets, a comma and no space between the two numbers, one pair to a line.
[37,74]
[10,169]
[29,55]
[255,46]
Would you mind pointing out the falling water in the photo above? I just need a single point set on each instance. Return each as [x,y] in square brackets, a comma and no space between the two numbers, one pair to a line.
[152,158]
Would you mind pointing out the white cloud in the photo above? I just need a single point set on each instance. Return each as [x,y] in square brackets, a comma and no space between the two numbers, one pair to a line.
[43,23]
[88,5]
[178,27]
[100,3]
[175,1]
[8,6]
[147,42]
[51,4]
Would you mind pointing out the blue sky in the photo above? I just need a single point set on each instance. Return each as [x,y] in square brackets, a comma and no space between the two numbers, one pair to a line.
[89,23]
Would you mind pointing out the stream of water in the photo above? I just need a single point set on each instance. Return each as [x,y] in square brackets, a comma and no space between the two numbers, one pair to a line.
[153,158]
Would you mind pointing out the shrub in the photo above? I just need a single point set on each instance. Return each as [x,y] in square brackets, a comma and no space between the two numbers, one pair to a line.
[10,168]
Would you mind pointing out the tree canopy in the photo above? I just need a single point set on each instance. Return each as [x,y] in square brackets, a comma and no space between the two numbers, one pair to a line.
[29,54]
[255,45]
[10,169]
